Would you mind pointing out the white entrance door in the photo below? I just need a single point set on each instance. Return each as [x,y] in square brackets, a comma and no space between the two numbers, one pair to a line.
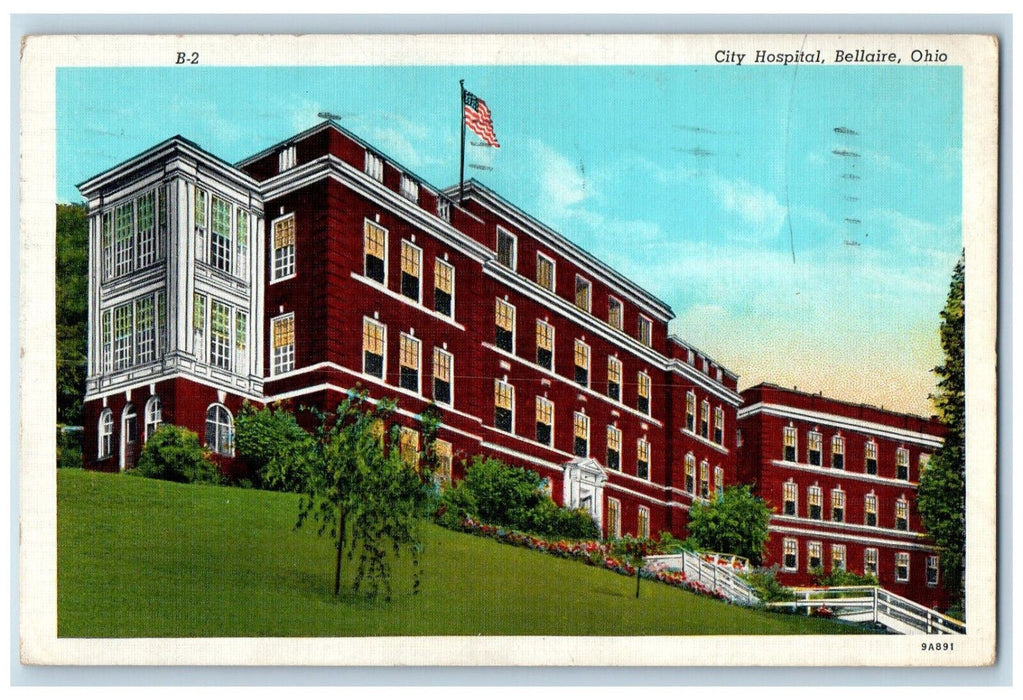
[584,486]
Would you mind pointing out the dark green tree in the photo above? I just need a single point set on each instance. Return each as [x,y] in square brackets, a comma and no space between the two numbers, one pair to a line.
[273,446]
[734,523]
[367,492]
[173,453]
[72,264]
[941,496]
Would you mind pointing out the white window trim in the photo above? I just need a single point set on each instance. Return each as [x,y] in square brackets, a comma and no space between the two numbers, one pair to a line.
[362,351]
[419,294]
[554,343]
[438,261]
[589,365]
[451,379]
[387,256]
[784,548]
[641,510]
[554,272]
[419,361]
[650,457]
[273,278]
[588,435]
[514,328]
[614,529]
[639,325]
[294,363]
[544,399]
[106,419]
[230,425]
[377,170]
[621,312]
[153,400]
[909,562]
[589,295]
[287,159]
[514,267]
[512,388]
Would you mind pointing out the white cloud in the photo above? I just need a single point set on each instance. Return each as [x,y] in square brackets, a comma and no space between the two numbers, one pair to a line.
[564,183]
[754,204]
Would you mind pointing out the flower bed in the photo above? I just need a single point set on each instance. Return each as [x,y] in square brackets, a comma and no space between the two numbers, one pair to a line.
[593,554]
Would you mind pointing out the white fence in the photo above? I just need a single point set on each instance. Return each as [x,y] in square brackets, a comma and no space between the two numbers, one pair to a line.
[874,604]
[719,578]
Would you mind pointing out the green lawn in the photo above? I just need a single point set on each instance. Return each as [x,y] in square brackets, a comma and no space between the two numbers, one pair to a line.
[143,558]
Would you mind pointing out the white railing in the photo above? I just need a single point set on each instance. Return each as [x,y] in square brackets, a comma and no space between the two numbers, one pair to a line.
[718,578]
[874,604]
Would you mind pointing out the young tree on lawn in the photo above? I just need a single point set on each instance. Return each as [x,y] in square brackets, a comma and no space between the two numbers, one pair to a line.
[735,522]
[369,496]
[941,496]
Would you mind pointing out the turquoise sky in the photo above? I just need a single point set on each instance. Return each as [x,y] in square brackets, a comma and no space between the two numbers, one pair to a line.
[716,188]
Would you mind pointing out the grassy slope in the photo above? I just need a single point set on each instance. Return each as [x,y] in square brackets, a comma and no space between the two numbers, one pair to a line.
[148,558]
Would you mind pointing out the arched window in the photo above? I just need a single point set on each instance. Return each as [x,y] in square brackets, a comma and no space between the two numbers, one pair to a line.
[219,430]
[154,415]
[106,433]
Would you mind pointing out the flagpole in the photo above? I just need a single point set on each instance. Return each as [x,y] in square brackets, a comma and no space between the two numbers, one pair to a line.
[461,167]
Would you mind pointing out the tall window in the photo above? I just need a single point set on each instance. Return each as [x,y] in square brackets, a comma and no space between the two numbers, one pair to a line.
[704,479]
[504,406]
[902,514]
[544,271]
[154,416]
[374,251]
[199,324]
[719,481]
[614,448]
[691,412]
[544,344]
[506,252]
[614,518]
[643,522]
[445,458]
[241,339]
[838,557]
[409,188]
[122,336]
[201,213]
[870,510]
[813,498]
[544,420]
[643,458]
[373,344]
[241,243]
[790,498]
[582,293]
[284,248]
[283,336]
[643,392]
[107,242]
[582,363]
[408,363]
[813,556]
[442,366]
[220,335]
[106,433]
[704,419]
[813,448]
[374,166]
[902,464]
[220,235]
[504,325]
[219,430]
[614,378]
[789,443]
[124,239]
[645,332]
[838,506]
[719,426]
[411,264]
[870,561]
[580,435]
[790,554]
[145,331]
[443,288]
[838,452]
[690,473]
[444,208]
[146,219]
[614,313]
[408,447]
[932,571]
[870,457]
[902,567]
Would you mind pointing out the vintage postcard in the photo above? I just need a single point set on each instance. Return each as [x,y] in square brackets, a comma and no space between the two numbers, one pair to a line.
[508,350]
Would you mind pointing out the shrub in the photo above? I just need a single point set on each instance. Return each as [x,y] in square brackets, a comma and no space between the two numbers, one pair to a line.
[271,443]
[495,493]
[173,453]
[734,523]
[764,581]
[840,577]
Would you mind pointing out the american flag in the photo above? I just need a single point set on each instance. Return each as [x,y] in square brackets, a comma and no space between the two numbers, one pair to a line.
[477,118]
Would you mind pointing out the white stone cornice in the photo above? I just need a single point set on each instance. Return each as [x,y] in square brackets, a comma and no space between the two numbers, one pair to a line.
[852,424]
